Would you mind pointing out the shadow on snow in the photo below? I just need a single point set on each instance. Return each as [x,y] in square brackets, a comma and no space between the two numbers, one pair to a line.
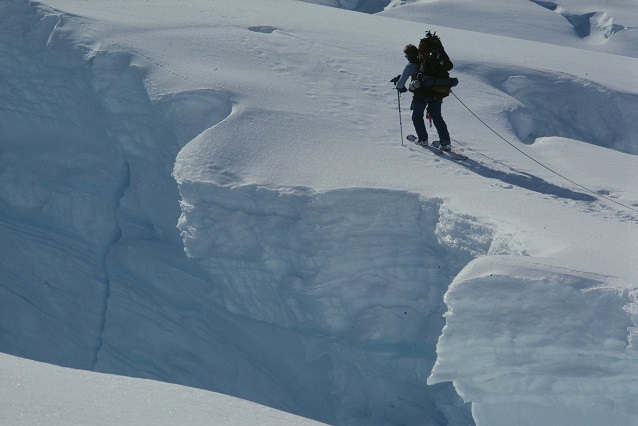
[526,181]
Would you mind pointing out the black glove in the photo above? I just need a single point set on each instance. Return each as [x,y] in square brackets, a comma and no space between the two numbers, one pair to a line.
[402,89]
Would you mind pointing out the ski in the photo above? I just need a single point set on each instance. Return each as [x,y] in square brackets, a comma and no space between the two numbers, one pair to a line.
[453,154]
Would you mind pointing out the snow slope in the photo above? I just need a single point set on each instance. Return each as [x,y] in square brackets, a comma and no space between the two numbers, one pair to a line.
[36,393]
[217,196]
[608,26]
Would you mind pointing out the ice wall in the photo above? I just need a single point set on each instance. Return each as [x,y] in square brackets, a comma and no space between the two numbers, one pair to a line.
[358,273]
[528,344]
[61,180]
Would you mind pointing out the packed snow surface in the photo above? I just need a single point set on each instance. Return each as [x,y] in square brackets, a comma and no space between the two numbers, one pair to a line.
[35,393]
[217,195]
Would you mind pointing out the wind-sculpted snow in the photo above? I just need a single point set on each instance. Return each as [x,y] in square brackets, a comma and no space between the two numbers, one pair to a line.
[590,113]
[366,6]
[596,26]
[550,104]
[523,341]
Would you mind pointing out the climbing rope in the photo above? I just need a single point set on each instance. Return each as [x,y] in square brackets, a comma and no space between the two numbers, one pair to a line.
[583,187]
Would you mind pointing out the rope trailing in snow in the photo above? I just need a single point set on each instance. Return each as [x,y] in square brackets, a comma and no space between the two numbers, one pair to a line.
[591,191]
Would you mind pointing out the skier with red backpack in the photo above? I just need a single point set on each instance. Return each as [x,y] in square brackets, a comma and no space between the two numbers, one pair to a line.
[428,69]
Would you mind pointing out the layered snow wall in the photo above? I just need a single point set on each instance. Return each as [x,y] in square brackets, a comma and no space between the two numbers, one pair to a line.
[358,273]
[528,344]
[61,182]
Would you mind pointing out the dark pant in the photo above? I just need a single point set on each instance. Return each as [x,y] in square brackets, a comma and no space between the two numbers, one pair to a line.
[434,108]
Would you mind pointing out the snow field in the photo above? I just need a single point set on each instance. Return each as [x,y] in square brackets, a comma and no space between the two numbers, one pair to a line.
[608,26]
[312,253]
[37,393]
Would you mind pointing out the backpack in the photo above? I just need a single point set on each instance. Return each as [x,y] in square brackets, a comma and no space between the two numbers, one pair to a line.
[434,77]
[434,60]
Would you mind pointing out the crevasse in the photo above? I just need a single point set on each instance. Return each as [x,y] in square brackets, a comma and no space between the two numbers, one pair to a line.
[325,304]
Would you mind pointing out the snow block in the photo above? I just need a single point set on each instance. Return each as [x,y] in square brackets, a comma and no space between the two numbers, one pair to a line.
[526,342]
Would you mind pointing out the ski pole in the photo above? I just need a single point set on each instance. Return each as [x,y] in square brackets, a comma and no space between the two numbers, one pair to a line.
[394,80]
[400,121]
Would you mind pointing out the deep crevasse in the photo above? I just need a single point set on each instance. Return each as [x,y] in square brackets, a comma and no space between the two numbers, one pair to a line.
[57,195]
[323,304]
